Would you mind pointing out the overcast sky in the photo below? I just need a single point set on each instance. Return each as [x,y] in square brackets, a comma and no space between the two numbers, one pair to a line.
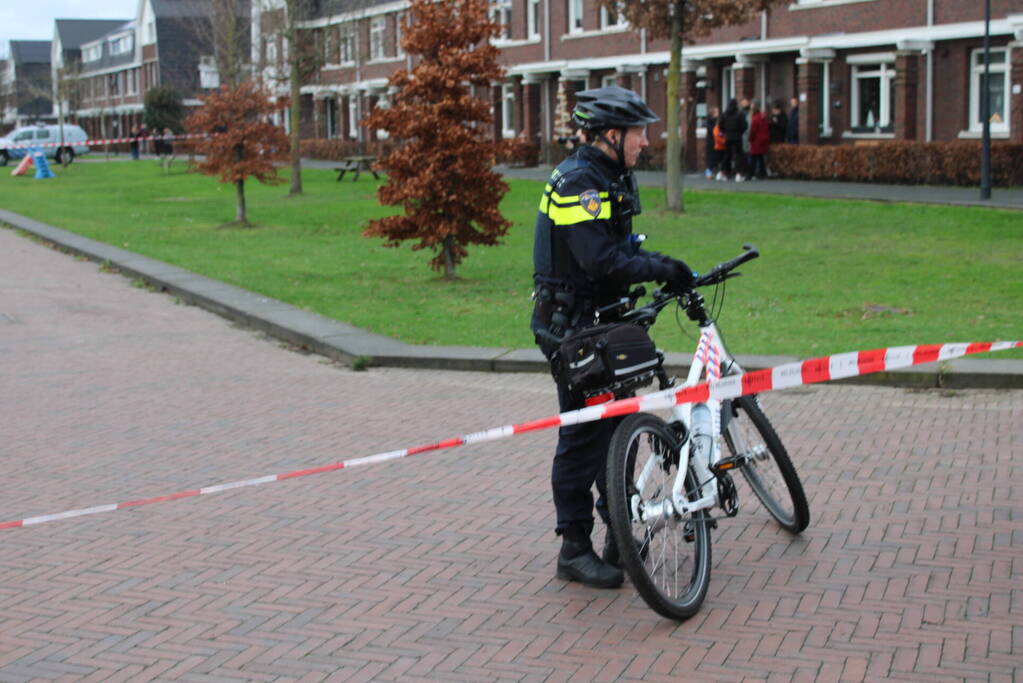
[33,19]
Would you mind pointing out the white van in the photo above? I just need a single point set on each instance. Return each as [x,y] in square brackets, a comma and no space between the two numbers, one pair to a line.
[49,135]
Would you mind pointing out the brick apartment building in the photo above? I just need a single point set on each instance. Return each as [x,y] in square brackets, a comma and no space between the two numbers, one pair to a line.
[167,43]
[66,58]
[861,69]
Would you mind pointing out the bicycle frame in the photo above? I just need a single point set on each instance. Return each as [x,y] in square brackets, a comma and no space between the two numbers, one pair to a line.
[708,360]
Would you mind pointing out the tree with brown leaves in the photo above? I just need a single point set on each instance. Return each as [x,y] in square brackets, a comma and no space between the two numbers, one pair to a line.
[441,172]
[240,140]
[682,20]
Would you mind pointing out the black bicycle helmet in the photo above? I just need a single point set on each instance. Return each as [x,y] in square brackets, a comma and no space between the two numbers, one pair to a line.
[612,107]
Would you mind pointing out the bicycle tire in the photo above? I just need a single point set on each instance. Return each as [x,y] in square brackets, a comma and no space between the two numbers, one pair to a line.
[766,465]
[652,569]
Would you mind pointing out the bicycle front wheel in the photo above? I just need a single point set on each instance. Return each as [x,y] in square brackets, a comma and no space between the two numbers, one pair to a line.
[667,556]
[765,464]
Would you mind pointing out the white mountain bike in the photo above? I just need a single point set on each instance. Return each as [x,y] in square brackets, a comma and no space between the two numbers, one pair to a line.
[665,479]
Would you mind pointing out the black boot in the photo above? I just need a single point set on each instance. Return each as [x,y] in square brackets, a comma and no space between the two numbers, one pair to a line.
[578,562]
[611,554]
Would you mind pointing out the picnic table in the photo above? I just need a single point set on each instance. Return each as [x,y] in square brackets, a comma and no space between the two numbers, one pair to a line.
[357,164]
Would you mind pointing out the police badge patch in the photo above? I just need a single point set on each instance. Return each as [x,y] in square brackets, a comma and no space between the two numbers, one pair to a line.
[590,201]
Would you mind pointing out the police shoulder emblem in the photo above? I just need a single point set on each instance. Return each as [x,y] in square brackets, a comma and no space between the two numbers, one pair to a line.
[590,201]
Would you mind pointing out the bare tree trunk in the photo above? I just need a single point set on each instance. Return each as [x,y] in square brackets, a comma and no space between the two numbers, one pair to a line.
[296,103]
[673,161]
[449,258]
[239,214]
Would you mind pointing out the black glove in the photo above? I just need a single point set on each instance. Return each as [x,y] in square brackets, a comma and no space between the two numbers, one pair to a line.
[678,276]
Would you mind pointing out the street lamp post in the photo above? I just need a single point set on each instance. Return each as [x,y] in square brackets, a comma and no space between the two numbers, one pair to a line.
[985,109]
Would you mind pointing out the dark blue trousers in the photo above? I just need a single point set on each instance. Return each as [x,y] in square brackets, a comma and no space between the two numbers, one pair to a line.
[580,461]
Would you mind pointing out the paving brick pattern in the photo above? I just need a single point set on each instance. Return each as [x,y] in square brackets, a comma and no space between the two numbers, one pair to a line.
[440,567]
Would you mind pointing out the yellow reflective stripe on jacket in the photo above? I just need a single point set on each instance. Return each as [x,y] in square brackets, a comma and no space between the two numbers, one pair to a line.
[566,210]
[570,215]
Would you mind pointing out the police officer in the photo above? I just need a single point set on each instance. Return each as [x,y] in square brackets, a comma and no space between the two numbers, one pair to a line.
[585,256]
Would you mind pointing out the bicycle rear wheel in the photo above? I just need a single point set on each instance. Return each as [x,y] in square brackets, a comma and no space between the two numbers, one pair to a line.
[668,557]
[765,464]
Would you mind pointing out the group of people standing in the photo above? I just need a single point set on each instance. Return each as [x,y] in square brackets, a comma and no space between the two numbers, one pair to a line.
[162,145]
[738,139]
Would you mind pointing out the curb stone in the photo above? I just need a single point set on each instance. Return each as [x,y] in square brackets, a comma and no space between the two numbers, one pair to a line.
[349,344]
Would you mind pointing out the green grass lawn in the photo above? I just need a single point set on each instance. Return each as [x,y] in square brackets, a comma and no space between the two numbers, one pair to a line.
[834,275]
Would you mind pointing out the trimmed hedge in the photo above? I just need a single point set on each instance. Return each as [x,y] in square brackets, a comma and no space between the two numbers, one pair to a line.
[898,162]
[886,161]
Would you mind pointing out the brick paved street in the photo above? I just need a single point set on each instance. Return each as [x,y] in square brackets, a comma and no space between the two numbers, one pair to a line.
[441,566]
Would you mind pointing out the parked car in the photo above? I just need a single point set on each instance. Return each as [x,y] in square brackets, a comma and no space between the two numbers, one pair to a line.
[74,136]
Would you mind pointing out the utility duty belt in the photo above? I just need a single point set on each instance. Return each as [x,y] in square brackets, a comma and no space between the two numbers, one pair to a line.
[558,311]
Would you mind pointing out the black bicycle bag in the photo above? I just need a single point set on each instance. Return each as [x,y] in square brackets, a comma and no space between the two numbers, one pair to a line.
[609,357]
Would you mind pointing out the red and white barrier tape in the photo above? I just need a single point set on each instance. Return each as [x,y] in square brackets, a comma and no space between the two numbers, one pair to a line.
[111,141]
[781,377]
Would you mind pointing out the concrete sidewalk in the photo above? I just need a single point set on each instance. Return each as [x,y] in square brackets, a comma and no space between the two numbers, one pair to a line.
[349,344]
[1001,198]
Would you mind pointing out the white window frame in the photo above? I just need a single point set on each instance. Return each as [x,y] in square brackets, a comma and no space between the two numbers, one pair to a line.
[121,45]
[377,33]
[271,52]
[727,86]
[330,113]
[353,116]
[399,32]
[885,71]
[608,81]
[825,100]
[501,13]
[92,53]
[508,110]
[209,77]
[576,12]
[330,44]
[150,32]
[533,19]
[976,75]
[348,44]
[605,18]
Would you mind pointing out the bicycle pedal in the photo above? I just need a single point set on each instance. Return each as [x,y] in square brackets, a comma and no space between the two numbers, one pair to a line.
[725,464]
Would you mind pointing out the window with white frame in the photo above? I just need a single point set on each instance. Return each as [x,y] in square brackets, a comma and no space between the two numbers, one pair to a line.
[533,19]
[727,86]
[331,106]
[508,110]
[150,32]
[824,96]
[501,13]
[383,101]
[330,45]
[873,92]
[611,18]
[271,52]
[399,34]
[609,81]
[347,44]
[377,30]
[92,53]
[575,16]
[121,45]
[208,75]
[998,68]
[353,116]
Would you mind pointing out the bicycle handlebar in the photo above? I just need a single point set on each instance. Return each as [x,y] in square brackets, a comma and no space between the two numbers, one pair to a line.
[646,315]
[722,271]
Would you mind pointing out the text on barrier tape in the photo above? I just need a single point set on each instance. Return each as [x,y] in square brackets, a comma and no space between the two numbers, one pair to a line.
[759,381]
